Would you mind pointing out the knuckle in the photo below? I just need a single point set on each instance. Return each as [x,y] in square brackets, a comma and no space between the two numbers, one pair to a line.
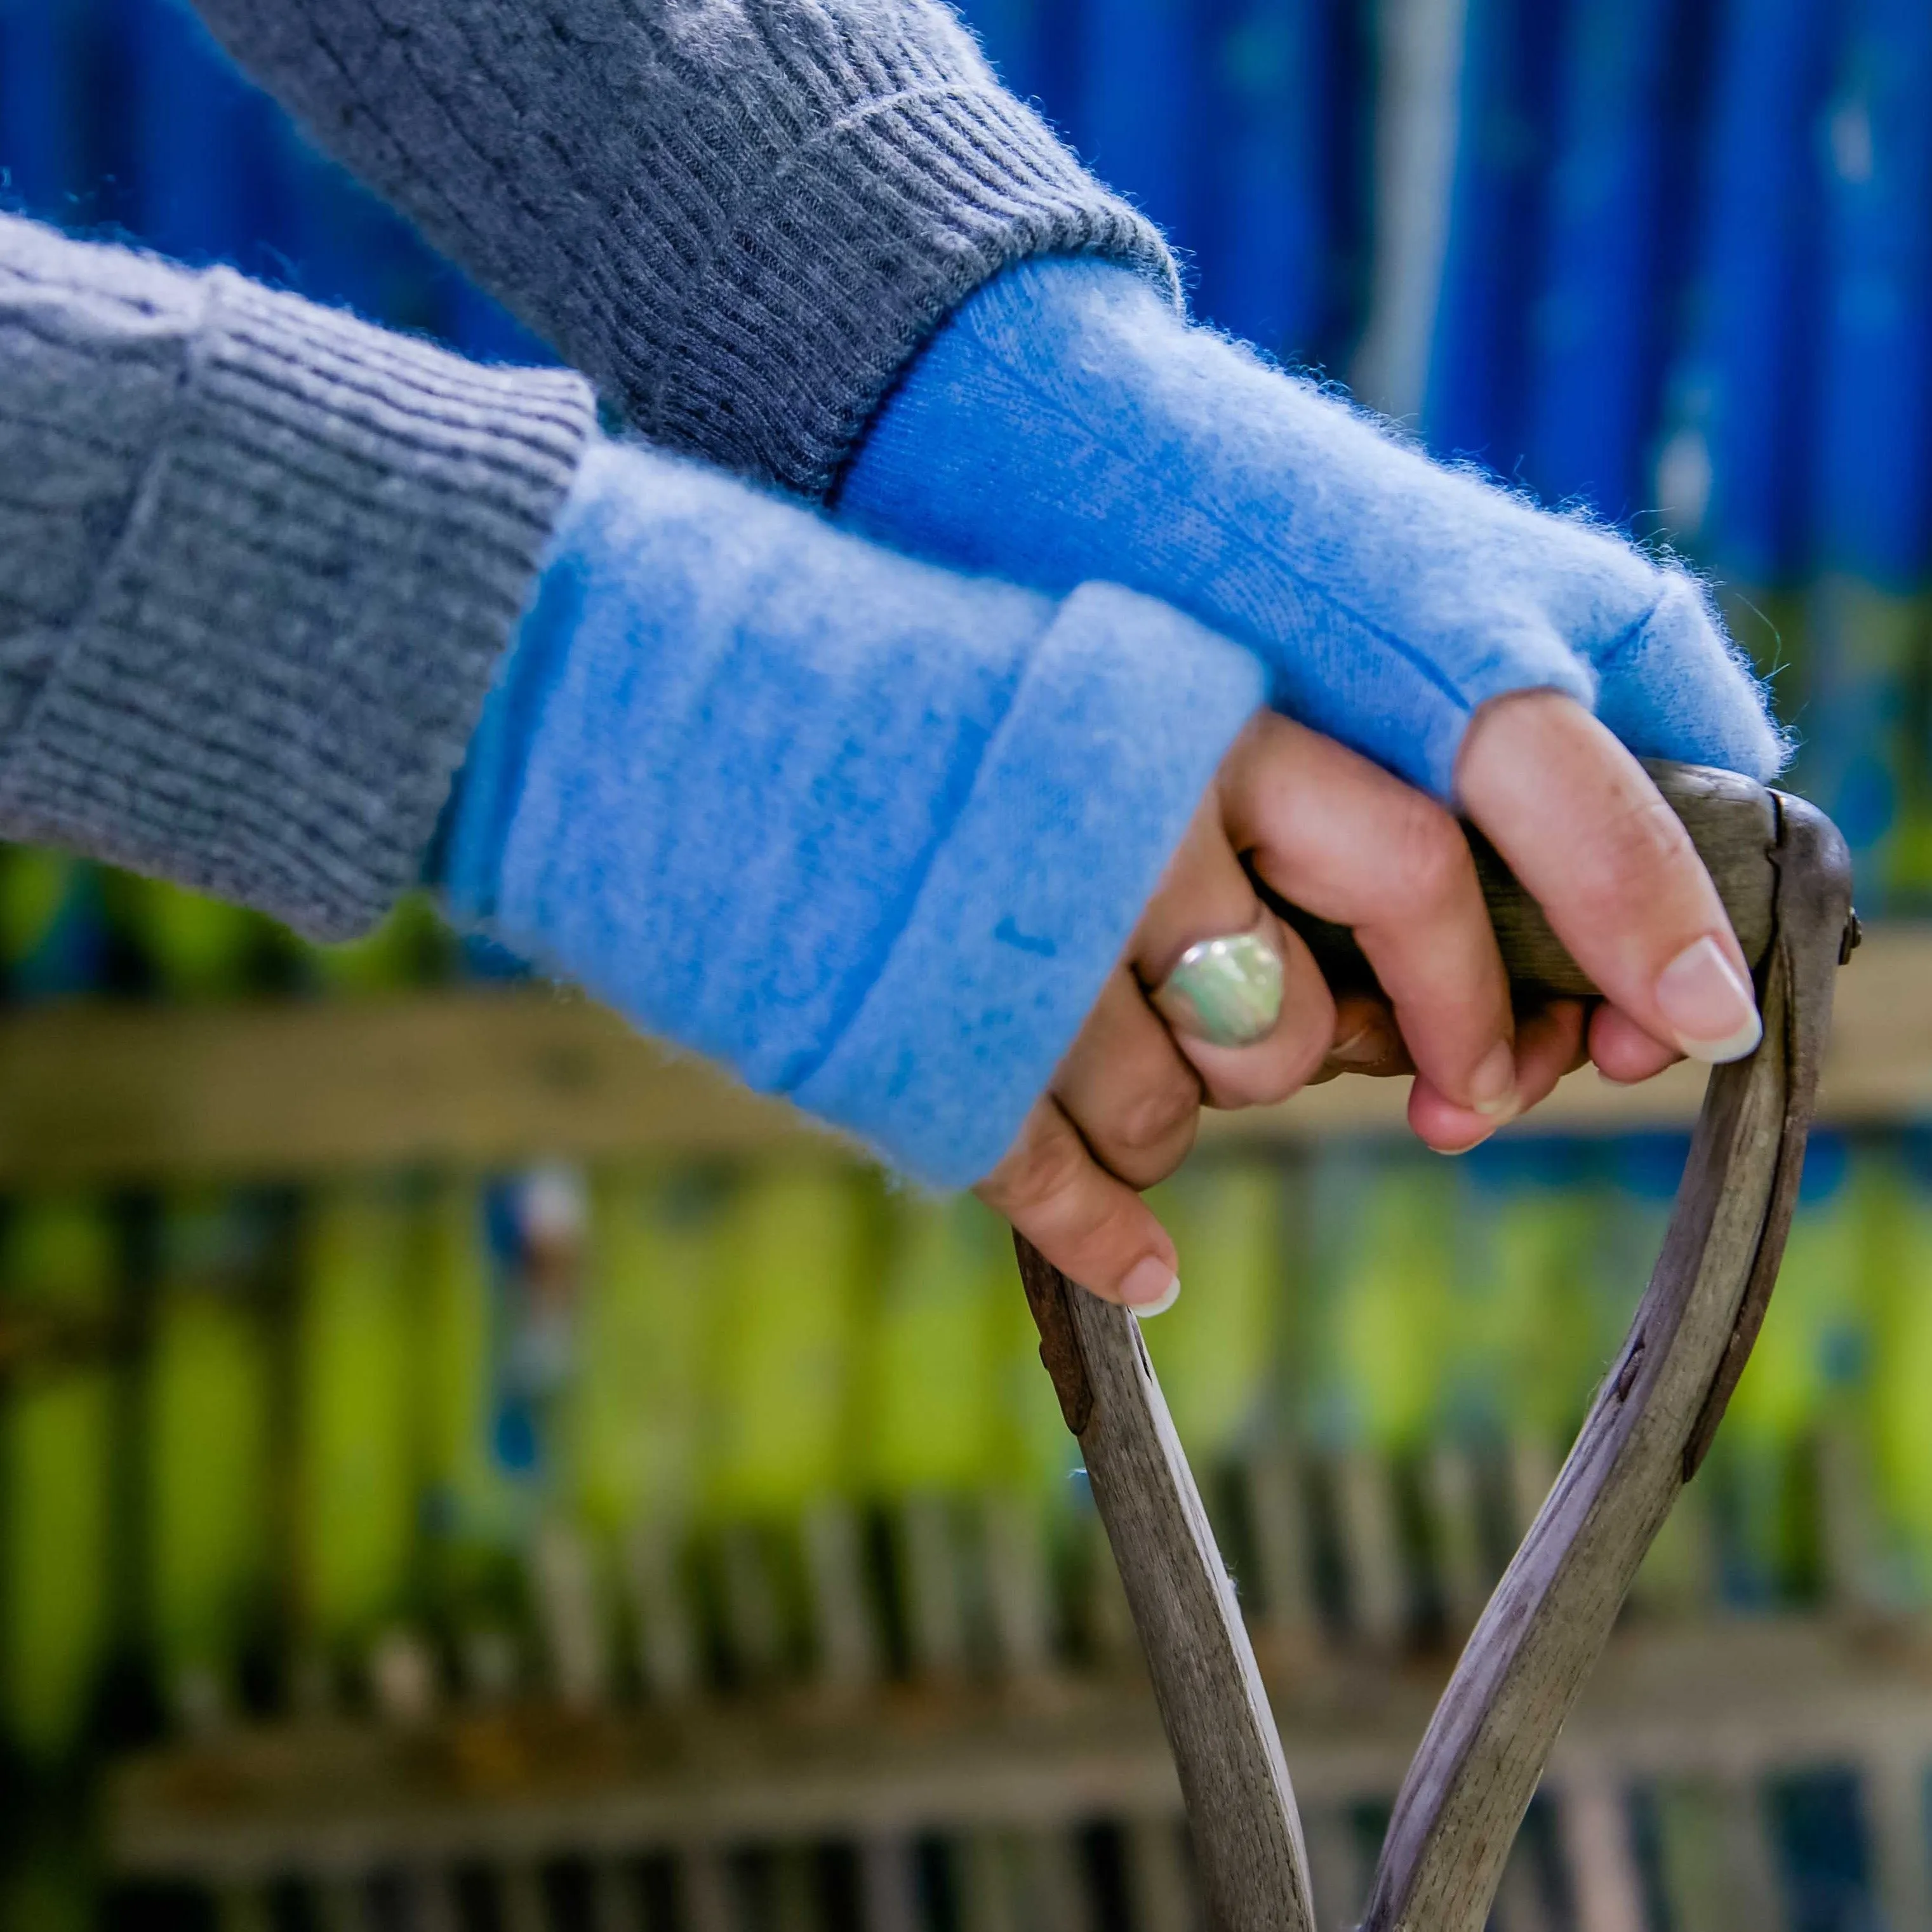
[1261,740]
[1140,1167]
[1264,769]
[1043,1173]
[1428,859]
[1151,1121]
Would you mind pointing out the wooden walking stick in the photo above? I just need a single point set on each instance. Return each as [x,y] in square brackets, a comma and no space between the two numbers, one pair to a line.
[1785,878]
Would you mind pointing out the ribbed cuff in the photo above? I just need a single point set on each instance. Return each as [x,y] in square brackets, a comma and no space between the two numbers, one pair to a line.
[278,670]
[828,281]
[1126,712]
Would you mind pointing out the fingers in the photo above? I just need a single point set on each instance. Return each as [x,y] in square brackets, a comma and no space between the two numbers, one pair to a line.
[1549,1043]
[1588,835]
[1126,1088]
[1125,1102]
[1367,1041]
[1131,1086]
[1332,833]
[1092,1226]
[1624,1052]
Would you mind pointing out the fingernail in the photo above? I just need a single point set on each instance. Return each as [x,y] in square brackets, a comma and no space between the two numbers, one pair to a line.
[1146,1311]
[1492,1086]
[1151,1287]
[1368,1045]
[1710,1008]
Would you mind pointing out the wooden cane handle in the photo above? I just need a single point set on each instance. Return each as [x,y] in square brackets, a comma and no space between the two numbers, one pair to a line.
[1732,822]
[1785,877]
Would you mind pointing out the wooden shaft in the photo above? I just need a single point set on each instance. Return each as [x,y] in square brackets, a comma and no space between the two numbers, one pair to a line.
[1241,1810]
[1646,1435]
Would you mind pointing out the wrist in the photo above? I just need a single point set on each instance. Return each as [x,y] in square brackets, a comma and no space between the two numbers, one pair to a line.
[870,834]
[1126,710]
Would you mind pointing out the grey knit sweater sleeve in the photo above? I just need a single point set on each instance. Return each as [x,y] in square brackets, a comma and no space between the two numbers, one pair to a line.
[257,559]
[740,217]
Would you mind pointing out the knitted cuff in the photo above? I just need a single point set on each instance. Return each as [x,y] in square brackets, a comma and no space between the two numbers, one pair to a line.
[739,218]
[276,674]
[829,280]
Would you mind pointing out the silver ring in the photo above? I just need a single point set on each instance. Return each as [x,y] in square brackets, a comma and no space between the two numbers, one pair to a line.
[1225,991]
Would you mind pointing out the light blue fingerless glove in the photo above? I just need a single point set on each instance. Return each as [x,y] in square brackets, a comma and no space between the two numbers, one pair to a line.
[1066,425]
[870,832]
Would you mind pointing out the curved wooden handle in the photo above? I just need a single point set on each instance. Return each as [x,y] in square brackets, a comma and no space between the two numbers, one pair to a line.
[1784,875]
[1646,1432]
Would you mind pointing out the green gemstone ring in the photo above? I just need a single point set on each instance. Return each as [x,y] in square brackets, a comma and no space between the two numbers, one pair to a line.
[1225,991]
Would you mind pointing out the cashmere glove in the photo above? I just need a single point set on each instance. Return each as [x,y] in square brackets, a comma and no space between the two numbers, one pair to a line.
[870,832]
[1066,425]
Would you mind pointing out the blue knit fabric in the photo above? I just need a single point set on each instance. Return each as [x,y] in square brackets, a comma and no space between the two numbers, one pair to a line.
[871,833]
[1066,425]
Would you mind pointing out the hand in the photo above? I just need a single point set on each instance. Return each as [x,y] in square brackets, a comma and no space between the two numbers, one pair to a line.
[1590,837]
[1586,832]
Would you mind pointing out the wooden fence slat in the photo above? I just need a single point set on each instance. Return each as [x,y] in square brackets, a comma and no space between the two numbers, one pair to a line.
[1595,1827]
[474,1079]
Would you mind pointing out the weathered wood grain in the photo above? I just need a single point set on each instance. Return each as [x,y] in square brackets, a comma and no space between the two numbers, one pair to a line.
[1247,1835]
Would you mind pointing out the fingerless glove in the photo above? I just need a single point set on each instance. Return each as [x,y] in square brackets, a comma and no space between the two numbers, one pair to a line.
[871,833]
[1067,425]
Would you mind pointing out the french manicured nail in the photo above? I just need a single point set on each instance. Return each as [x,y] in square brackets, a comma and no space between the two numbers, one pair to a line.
[1493,1092]
[1151,1287]
[1709,1006]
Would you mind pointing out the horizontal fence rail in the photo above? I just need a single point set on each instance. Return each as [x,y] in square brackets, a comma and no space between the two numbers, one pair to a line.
[101,1094]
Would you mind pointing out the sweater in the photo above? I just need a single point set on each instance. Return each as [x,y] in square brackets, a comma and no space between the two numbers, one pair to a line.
[258,559]
[739,218]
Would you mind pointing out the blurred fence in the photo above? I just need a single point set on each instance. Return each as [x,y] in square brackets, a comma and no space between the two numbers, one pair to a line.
[698,1546]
